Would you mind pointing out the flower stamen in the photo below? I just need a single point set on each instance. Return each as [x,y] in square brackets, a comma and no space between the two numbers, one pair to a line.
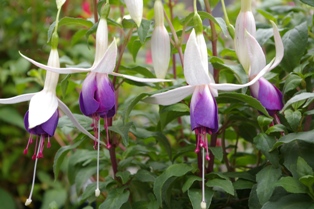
[30,141]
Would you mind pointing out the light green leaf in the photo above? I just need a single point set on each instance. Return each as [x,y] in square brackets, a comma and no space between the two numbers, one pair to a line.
[297,98]
[303,136]
[12,116]
[124,175]
[291,185]
[191,179]
[7,200]
[143,30]
[171,112]
[222,183]
[303,167]
[195,196]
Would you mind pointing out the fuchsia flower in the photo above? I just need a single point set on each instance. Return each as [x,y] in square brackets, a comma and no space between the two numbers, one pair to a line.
[135,8]
[253,59]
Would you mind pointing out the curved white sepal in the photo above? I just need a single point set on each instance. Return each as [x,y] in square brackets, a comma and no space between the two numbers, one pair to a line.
[170,97]
[279,47]
[108,61]
[256,55]
[142,80]
[195,72]
[41,107]
[17,99]
[68,112]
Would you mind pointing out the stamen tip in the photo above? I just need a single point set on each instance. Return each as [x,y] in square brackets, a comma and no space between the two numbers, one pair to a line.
[203,205]
[25,151]
[28,202]
[97,192]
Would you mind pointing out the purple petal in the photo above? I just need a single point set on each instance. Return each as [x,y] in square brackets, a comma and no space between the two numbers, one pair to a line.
[88,104]
[203,109]
[47,128]
[268,94]
[105,96]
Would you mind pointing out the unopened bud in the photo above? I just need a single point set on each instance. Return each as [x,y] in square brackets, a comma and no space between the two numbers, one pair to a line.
[159,13]
[135,8]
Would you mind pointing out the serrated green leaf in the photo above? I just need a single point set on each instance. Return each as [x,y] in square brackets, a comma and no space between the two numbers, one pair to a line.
[295,43]
[115,199]
[264,143]
[171,112]
[291,185]
[303,136]
[297,98]
[195,196]
[175,170]
[231,97]
[60,155]
[266,179]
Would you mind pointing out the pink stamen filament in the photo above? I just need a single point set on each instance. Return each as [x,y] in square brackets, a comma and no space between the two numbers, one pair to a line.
[30,141]
[36,145]
[41,146]
[49,143]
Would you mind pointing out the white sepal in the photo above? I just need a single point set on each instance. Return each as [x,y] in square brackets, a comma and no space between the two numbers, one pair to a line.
[160,44]
[170,97]
[17,99]
[101,40]
[135,8]
[41,107]
[68,112]
[195,72]
[142,80]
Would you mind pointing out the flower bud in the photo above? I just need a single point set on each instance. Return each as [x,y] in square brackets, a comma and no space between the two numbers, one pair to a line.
[160,43]
[135,8]
[245,23]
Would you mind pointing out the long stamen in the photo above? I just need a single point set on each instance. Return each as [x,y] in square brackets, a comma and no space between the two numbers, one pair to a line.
[30,141]
[29,200]
[97,191]
[203,203]
[41,146]
[36,146]
[49,143]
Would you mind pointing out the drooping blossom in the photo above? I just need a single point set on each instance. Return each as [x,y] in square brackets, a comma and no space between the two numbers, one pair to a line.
[135,8]
[253,60]
[160,42]
[97,98]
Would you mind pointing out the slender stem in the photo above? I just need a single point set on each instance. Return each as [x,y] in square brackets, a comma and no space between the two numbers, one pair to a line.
[177,44]
[213,39]
[225,154]
[225,12]
[95,11]
[195,6]
[97,191]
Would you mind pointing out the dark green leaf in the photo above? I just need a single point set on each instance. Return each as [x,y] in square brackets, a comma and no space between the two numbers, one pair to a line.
[293,118]
[195,196]
[128,23]
[308,2]
[171,112]
[243,184]
[188,183]
[217,152]
[115,199]
[122,129]
[143,30]
[266,179]
[55,197]
[291,83]
[7,200]
[303,136]
[222,183]
[303,167]
[144,176]
[295,43]
[175,170]
[297,98]
[253,199]
[129,107]
[264,121]
[291,201]
[124,175]
[60,155]
[230,97]
[264,143]
[134,46]
[11,116]
[291,185]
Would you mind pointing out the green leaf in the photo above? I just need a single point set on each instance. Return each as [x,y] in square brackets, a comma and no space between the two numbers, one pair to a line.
[243,184]
[263,34]
[143,30]
[54,197]
[60,155]
[303,167]
[297,98]
[266,180]
[307,180]
[303,136]
[134,46]
[276,128]
[72,21]
[122,129]
[308,2]
[12,116]
[291,83]
[129,107]
[291,201]
[264,143]
[232,97]
[115,199]
[253,199]
[264,121]
[217,152]
[295,43]
[291,185]
[293,118]
[222,183]
[7,200]
[171,112]
[188,183]
[144,176]
[124,175]
[128,23]
[175,170]
[195,196]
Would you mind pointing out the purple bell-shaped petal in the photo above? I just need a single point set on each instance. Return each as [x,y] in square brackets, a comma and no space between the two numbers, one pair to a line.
[203,110]
[97,96]
[47,128]
[268,94]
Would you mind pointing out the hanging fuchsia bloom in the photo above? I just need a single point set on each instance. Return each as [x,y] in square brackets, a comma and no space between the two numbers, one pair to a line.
[253,59]
[135,8]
